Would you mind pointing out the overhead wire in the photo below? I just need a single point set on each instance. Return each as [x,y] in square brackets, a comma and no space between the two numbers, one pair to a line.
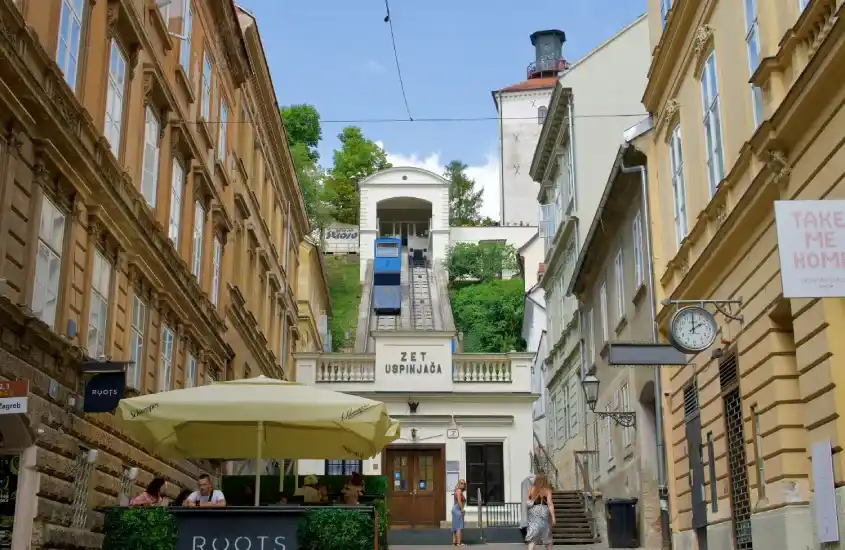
[389,21]
[430,119]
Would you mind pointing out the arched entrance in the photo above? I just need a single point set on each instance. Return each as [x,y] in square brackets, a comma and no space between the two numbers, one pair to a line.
[406,218]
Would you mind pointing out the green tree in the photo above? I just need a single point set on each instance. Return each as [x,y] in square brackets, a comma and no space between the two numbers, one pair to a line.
[481,262]
[490,316]
[464,201]
[357,158]
[302,123]
[311,179]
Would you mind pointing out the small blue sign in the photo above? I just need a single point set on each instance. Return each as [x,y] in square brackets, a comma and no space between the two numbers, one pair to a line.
[422,484]
[396,475]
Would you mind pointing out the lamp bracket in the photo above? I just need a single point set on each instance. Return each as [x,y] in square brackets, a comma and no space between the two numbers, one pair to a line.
[624,419]
[725,307]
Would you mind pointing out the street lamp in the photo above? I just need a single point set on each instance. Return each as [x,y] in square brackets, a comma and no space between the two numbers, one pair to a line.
[590,385]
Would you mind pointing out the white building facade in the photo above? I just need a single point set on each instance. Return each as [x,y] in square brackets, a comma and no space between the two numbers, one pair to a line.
[586,120]
[462,416]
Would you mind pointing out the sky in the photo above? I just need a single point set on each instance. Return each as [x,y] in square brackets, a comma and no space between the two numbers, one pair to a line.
[337,56]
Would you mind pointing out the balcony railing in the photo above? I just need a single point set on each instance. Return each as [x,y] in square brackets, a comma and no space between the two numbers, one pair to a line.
[547,66]
[481,368]
[338,367]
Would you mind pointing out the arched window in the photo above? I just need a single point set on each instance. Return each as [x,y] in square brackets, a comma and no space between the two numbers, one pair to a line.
[541,115]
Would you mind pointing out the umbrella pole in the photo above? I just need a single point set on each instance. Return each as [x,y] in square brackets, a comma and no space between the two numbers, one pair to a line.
[260,433]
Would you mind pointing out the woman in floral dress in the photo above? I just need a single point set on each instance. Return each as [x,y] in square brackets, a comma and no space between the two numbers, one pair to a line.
[541,514]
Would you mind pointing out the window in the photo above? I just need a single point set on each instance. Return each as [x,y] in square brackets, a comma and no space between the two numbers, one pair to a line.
[676,164]
[185,48]
[191,371]
[343,467]
[752,43]
[485,471]
[114,96]
[221,143]
[712,124]
[166,366]
[176,185]
[541,115]
[196,251]
[206,89]
[136,343]
[70,36]
[149,170]
[287,239]
[665,6]
[98,316]
[573,404]
[217,253]
[626,407]
[608,431]
[638,251]
[605,324]
[620,286]
[48,263]
[591,336]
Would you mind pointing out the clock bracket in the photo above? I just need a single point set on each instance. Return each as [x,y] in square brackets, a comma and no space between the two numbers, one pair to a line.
[725,307]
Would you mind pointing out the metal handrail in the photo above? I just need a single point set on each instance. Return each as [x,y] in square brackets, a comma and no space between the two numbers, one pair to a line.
[554,479]
[587,490]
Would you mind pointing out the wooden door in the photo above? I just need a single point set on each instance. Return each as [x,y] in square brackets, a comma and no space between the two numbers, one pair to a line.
[416,494]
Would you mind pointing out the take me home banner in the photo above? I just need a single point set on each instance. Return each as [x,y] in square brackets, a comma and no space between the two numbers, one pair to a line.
[811,245]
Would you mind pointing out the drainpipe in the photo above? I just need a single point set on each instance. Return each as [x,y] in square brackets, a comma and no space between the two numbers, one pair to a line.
[572,157]
[663,491]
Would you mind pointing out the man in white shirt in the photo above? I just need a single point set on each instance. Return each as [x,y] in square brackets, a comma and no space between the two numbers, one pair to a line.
[207,496]
[309,490]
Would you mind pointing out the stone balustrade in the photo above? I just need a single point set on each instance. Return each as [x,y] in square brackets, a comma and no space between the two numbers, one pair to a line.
[343,367]
[470,367]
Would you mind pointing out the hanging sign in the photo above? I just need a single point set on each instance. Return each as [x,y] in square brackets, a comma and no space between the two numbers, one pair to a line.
[452,433]
[14,396]
[104,391]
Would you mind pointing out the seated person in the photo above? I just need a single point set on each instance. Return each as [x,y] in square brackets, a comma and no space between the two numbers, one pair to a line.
[353,490]
[309,490]
[207,496]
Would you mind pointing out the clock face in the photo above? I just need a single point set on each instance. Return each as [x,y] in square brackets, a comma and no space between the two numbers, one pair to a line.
[693,329]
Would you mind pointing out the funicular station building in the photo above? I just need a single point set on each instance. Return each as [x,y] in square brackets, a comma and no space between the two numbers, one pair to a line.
[463,415]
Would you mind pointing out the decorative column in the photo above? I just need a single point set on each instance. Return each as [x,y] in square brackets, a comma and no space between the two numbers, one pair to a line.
[94,230]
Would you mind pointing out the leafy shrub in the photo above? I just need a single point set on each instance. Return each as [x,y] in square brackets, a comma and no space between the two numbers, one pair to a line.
[490,316]
[335,529]
[141,528]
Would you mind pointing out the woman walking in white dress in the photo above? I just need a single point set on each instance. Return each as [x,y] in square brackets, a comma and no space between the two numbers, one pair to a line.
[541,514]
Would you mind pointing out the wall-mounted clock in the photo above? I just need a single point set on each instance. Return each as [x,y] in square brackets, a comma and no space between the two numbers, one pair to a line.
[692,329]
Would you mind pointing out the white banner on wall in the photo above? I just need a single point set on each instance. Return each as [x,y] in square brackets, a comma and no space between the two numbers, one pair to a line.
[340,238]
[811,246]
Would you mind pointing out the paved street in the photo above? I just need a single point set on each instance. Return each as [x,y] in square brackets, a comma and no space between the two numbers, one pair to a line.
[599,546]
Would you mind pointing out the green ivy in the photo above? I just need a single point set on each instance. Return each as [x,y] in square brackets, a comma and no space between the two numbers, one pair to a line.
[335,529]
[141,528]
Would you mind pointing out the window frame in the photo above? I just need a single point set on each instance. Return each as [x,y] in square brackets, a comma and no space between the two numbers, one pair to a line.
[752,47]
[679,190]
[54,246]
[102,296]
[152,145]
[542,113]
[625,398]
[619,276]
[222,141]
[205,88]
[603,312]
[68,9]
[190,370]
[608,428]
[137,342]
[197,239]
[187,31]
[472,483]
[714,157]
[174,219]
[637,230]
[113,126]
[591,332]
[216,261]
[166,356]
[344,466]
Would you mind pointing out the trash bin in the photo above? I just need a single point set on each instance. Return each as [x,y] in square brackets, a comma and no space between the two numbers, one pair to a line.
[622,523]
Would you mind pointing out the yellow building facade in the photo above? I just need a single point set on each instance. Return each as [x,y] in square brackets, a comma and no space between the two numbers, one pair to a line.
[149,214]
[747,103]
[313,300]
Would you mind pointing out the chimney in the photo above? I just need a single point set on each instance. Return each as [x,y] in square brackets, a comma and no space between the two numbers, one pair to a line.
[548,53]
[541,269]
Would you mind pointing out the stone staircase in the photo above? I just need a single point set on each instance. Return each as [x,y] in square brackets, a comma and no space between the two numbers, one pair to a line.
[573,526]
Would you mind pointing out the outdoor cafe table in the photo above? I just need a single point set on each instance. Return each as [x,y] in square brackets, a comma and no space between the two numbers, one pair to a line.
[245,527]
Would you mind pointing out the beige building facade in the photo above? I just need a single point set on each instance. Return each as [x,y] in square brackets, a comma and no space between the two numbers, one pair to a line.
[747,103]
[610,281]
[150,214]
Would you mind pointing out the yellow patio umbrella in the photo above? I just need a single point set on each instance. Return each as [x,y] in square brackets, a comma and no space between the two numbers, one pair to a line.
[258,418]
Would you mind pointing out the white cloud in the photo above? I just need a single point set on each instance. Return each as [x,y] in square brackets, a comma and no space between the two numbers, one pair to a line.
[374,66]
[486,175]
